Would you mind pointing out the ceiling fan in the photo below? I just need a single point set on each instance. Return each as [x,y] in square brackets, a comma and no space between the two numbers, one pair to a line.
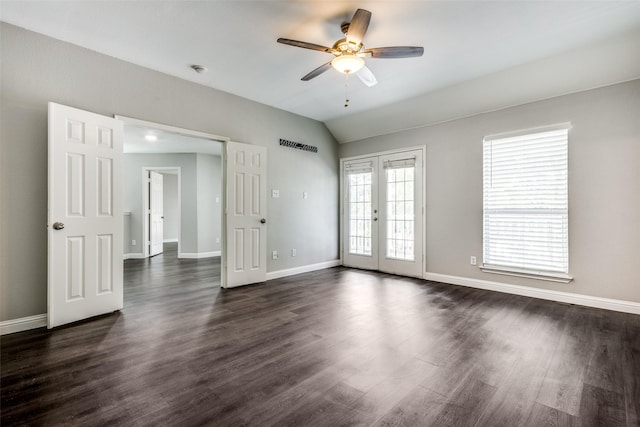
[349,52]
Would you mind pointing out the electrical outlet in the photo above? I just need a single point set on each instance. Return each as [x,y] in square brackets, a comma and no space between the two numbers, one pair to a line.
[275,194]
[133,243]
[305,195]
[473,261]
[217,240]
[274,255]
[293,252]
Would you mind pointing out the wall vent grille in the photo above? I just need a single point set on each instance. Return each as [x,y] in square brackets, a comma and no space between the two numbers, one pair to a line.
[298,145]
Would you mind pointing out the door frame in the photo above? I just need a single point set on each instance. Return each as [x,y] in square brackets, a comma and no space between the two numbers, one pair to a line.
[202,135]
[145,205]
[341,227]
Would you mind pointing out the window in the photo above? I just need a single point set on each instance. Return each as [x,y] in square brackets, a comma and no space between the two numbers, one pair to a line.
[400,209]
[525,204]
[359,183]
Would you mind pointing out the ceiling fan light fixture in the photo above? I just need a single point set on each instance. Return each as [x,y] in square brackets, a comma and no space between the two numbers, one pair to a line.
[348,63]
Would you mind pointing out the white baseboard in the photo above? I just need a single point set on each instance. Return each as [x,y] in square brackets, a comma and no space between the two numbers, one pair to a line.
[23,324]
[566,297]
[198,255]
[170,241]
[133,256]
[303,269]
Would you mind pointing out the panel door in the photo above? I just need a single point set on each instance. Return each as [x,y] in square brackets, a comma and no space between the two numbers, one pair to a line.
[85,215]
[156,213]
[246,231]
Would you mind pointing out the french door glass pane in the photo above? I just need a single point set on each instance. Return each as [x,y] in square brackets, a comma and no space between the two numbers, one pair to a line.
[360,213]
[400,213]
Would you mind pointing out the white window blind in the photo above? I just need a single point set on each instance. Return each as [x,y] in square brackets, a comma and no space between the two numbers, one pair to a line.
[525,199]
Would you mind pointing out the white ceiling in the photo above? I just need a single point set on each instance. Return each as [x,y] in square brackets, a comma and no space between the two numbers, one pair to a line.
[236,40]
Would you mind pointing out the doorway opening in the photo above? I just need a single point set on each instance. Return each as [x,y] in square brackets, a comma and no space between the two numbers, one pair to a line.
[173,196]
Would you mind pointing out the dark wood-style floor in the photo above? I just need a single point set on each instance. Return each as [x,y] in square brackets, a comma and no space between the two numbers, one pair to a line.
[333,347]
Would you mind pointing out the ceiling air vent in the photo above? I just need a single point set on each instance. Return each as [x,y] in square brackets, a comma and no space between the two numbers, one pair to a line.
[298,145]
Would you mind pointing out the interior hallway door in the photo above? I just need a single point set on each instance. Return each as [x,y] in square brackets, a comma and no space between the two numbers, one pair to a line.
[156,213]
[383,213]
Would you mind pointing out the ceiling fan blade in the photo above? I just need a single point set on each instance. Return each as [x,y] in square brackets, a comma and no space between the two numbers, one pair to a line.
[358,26]
[315,73]
[395,52]
[306,45]
[366,76]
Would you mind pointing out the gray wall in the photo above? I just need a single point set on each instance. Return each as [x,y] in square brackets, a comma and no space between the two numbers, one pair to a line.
[604,187]
[209,211]
[36,69]
[170,206]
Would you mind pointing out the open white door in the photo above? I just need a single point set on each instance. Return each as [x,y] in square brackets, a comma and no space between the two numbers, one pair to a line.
[85,215]
[156,215]
[246,230]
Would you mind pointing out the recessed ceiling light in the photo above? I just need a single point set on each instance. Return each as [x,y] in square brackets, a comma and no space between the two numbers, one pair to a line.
[150,137]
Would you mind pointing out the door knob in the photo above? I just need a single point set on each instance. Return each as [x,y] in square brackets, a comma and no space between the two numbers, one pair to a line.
[58,225]
[263,221]
[375,218]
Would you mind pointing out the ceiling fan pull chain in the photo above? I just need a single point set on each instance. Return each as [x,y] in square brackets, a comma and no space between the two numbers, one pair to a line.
[346,90]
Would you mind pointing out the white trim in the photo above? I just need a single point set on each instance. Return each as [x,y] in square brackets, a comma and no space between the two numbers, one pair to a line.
[133,255]
[546,294]
[540,275]
[177,170]
[170,240]
[522,132]
[383,153]
[303,269]
[23,324]
[198,255]
[171,129]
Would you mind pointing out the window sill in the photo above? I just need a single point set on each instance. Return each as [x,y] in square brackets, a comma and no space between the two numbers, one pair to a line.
[551,277]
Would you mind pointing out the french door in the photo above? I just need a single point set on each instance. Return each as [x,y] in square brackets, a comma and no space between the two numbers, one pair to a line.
[383,216]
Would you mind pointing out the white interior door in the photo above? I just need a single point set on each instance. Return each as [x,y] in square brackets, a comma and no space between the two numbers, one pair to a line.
[246,230]
[156,213]
[383,213]
[85,215]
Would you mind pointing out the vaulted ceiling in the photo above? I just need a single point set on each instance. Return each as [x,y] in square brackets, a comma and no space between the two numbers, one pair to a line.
[479,55]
